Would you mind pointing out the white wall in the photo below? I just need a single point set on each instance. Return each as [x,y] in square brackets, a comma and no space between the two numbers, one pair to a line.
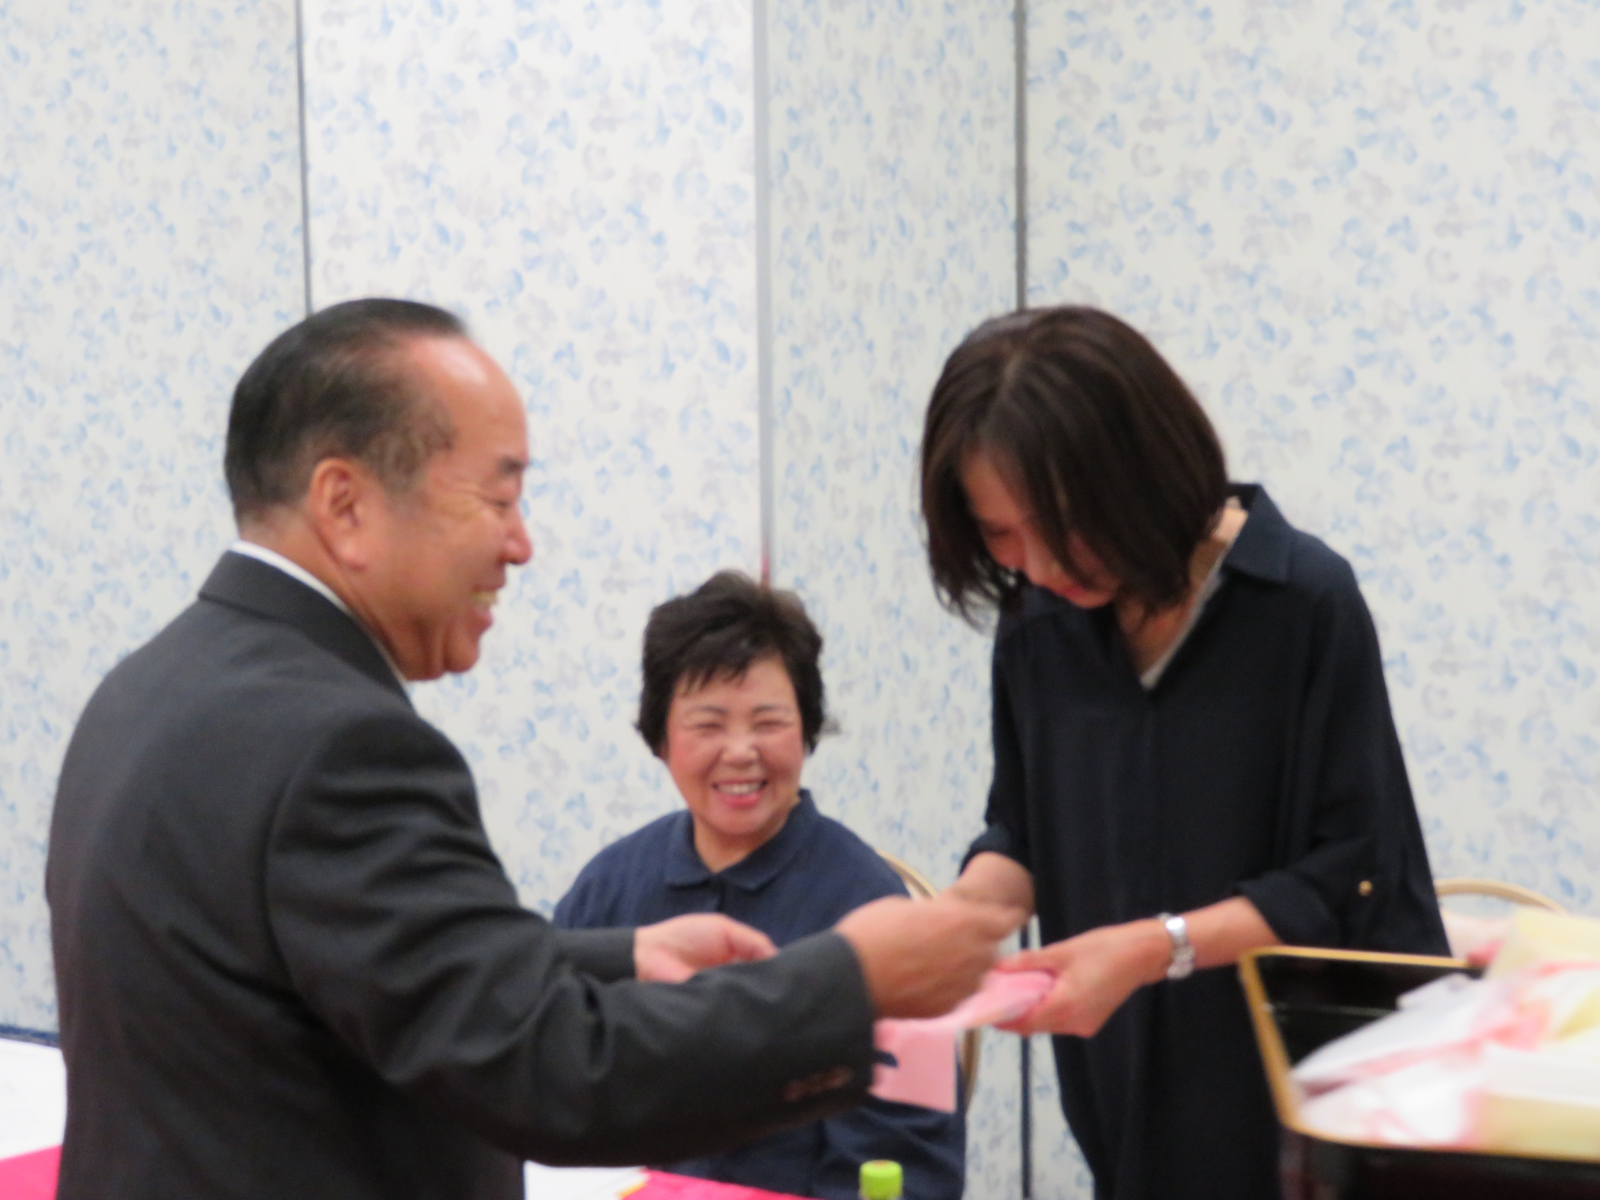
[579,183]
[149,247]
[1370,239]
[1368,235]
[892,174]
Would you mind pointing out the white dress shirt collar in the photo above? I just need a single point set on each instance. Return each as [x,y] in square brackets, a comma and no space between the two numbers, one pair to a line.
[295,571]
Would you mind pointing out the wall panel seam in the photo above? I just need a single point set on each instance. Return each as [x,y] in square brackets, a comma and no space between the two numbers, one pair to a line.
[305,166]
[765,417]
[1020,19]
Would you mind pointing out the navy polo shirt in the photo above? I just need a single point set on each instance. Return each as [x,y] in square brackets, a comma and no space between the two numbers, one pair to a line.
[811,873]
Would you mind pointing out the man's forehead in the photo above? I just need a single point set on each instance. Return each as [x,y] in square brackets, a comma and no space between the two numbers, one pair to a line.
[475,394]
[458,360]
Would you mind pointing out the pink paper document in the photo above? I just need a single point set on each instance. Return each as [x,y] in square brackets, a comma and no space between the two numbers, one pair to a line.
[925,1051]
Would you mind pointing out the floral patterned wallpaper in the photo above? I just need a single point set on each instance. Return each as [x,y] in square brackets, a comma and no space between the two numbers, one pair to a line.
[579,183]
[149,247]
[893,184]
[1368,235]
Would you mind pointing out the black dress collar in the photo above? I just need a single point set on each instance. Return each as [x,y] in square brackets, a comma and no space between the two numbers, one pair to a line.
[1263,545]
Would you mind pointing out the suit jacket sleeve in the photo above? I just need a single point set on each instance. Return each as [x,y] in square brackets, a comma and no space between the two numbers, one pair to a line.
[607,954]
[399,929]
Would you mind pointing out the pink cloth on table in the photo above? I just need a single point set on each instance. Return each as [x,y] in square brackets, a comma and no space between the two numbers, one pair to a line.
[925,1051]
[664,1186]
[30,1176]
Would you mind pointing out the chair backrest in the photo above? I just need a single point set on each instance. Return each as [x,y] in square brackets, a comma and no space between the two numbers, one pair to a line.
[1465,886]
[918,884]
[1478,939]
[921,888]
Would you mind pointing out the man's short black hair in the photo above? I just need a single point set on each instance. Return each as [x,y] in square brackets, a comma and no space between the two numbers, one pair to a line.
[716,632]
[331,386]
[1092,430]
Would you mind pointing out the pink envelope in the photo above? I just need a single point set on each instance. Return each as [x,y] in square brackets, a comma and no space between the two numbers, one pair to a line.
[925,1050]
[30,1176]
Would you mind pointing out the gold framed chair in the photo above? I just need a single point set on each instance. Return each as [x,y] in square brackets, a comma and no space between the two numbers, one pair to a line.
[1474,938]
[1464,885]
[921,888]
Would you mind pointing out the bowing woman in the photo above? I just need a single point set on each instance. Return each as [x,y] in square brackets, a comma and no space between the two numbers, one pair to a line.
[1193,750]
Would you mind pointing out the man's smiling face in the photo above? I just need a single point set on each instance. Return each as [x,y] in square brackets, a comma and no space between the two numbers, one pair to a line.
[443,547]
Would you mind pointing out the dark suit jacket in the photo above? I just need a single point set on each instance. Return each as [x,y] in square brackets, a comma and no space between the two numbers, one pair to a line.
[290,965]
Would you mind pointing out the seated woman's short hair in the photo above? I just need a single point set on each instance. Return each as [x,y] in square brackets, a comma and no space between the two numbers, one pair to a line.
[716,632]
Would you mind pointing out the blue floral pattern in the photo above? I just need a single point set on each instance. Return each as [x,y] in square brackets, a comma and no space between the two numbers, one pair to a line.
[1368,234]
[892,175]
[149,247]
[578,182]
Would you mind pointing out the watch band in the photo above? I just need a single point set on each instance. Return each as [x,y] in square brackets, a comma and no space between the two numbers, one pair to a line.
[1181,964]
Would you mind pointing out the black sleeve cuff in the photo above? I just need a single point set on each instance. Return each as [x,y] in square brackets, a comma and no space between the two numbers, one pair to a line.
[845,1022]
[829,955]
[996,839]
[1294,909]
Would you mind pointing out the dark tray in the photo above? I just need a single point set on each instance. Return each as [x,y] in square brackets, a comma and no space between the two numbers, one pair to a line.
[1300,999]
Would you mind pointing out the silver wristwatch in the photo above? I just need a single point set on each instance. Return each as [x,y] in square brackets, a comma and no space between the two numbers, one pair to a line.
[1181,964]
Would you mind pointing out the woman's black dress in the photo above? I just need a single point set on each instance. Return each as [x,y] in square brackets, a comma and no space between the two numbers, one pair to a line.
[1263,763]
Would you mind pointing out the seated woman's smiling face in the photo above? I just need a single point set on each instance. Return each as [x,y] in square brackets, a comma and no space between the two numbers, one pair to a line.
[734,748]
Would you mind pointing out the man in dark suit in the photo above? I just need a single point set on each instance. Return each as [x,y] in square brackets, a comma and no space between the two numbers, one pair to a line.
[288,962]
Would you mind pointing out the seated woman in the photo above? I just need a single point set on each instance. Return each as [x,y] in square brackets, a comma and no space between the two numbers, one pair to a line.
[732,703]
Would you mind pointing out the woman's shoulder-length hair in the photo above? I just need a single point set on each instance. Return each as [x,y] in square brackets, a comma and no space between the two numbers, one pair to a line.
[1092,430]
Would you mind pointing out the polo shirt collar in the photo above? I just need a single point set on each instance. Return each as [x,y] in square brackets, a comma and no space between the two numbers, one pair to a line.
[1263,545]
[754,871]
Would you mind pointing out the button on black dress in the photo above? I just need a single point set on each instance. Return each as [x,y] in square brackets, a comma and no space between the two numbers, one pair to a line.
[1263,763]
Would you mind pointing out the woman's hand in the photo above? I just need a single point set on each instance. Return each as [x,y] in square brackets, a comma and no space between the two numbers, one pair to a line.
[1095,972]
[992,878]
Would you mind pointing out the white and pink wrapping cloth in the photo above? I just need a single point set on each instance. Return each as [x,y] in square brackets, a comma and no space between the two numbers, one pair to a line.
[1508,1063]
[925,1050]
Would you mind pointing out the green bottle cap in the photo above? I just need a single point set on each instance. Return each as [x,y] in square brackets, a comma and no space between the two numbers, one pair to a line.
[881,1180]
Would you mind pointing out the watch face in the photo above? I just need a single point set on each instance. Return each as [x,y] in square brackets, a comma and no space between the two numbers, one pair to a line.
[1181,965]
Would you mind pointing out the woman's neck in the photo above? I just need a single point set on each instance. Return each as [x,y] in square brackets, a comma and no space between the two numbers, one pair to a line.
[1148,634]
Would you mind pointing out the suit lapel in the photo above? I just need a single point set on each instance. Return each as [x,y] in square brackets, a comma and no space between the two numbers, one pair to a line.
[249,584]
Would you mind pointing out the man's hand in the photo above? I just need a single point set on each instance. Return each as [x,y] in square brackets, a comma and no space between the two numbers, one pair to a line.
[672,951]
[922,958]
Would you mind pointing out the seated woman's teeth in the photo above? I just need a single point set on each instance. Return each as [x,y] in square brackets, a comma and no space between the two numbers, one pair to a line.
[739,789]
[484,599]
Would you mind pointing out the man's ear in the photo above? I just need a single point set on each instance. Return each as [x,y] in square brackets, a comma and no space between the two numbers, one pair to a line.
[343,505]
